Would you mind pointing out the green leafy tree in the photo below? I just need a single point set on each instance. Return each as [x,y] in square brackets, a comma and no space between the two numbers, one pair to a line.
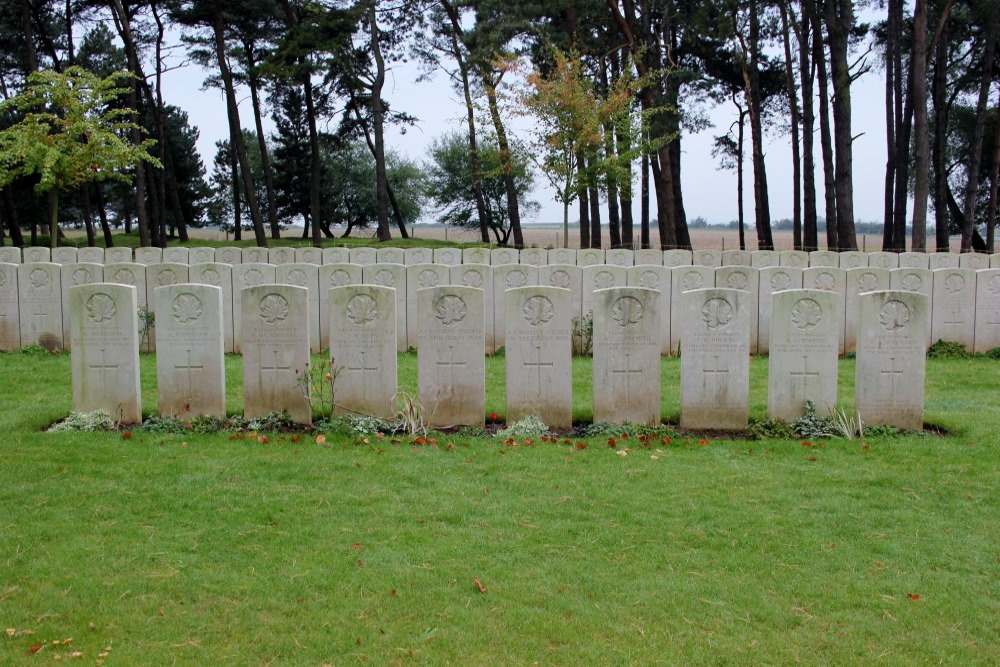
[69,135]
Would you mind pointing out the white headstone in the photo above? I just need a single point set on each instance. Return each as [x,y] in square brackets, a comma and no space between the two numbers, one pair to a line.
[418,277]
[160,275]
[883,260]
[914,260]
[619,257]
[600,276]
[39,292]
[394,276]
[327,277]
[190,361]
[36,254]
[974,260]
[953,314]
[309,256]
[479,276]
[176,255]
[762,259]
[255,255]
[736,258]
[891,359]
[824,258]
[229,255]
[995,261]
[802,362]
[128,273]
[305,275]
[364,256]
[118,256]
[565,276]
[684,279]
[715,359]
[859,281]
[105,357]
[64,255]
[504,256]
[392,256]
[589,257]
[447,256]
[9,255]
[281,255]
[147,255]
[797,259]
[418,256]
[75,274]
[655,278]
[505,277]
[473,256]
[744,278]
[338,255]
[918,281]
[562,256]
[201,255]
[649,256]
[90,255]
[10,321]
[451,366]
[251,274]
[711,258]
[276,351]
[943,260]
[853,260]
[677,257]
[539,355]
[771,280]
[829,279]
[627,355]
[987,310]
[363,349]
[217,274]
[534,256]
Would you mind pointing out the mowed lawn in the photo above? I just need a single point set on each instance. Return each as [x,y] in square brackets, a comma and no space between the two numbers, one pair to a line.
[193,549]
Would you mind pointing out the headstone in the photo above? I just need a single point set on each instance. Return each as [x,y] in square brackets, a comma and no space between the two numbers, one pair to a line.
[649,256]
[363,349]
[796,259]
[974,260]
[538,355]
[201,255]
[829,279]
[891,361]
[418,277]
[10,255]
[503,256]
[565,276]
[307,276]
[39,293]
[64,255]
[105,356]
[160,275]
[744,278]
[762,259]
[479,276]
[600,276]
[824,258]
[627,355]
[805,342]
[176,255]
[10,321]
[231,255]
[337,255]
[281,255]
[418,256]
[715,359]
[736,258]
[389,256]
[589,257]
[771,280]
[943,260]
[619,257]
[534,256]
[883,260]
[505,277]
[711,258]
[309,256]
[148,256]
[256,255]
[995,261]
[364,256]
[451,366]
[128,273]
[853,260]
[473,256]
[36,254]
[118,256]
[75,274]
[250,274]
[914,260]
[190,361]
[677,257]
[276,351]
[987,310]
[217,274]
[859,281]
[394,276]
[953,312]
[918,281]
[562,256]
[329,276]
[447,256]
[684,279]
[655,278]
[90,255]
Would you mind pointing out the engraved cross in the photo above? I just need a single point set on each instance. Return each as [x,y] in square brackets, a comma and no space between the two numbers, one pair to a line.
[451,364]
[803,375]
[892,373]
[628,372]
[102,369]
[537,365]
[274,368]
[717,374]
[187,370]
[363,369]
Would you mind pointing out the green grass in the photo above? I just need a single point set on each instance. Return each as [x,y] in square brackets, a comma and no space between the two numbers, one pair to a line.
[194,549]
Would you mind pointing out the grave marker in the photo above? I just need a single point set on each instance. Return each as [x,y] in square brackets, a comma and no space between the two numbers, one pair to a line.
[250,274]
[797,259]
[175,256]
[447,256]
[684,279]
[762,259]
[589,257]
[859,281]
[823,258]
[534,256]
[327,277]
[390,256]
[712,258]
[953,311]
[363,349]
[64,255]
[418,277]
[853,260]
[914,260]
[475,256]
[479,276]
[217,274]
[37,254]
[394,276]
[90,255]
[338,255]
[987,310]
[418,256]
[10,320]
[883,260]
[677,257]
[565,276]
[829,279]
[771,280]
[973,260]
[649,256]
[505,277]
[160,275]
[229,255]
[256,256]
[744,278]
[619,257]
[118,256]
[75,274]
[736,258]
[39,293]
[655,278]
[307,276]
[942,260]
[600,276]
[201,255]
[562,256]
[364,256]
[503,256]
[281,255]
[10,255]
[309,256]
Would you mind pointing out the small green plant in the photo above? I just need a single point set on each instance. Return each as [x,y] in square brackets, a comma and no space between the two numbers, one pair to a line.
[33,350]
[768,429]
[161,424]
[811,425]
[944,349]
[530,426]
[583,335]
[472,432]
[147,322]
[881,431]
[274,421]
[98,420]
[993,353]
[366,424]
[319,386]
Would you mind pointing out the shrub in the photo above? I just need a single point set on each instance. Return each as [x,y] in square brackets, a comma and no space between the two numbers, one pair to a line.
[530,426]
[98,420]
[811,425]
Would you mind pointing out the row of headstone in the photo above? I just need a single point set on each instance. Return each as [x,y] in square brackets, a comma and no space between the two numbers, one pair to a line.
[499,256]
[965,304]
[451,364]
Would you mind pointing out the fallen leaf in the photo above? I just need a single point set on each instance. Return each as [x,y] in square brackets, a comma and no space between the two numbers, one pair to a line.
[356,545]
[35,649]
[479,585]
[262,439]
[320,439]
[357,642]
[622,452]
[913,597]
[654,457]
[126,435]
[393,592]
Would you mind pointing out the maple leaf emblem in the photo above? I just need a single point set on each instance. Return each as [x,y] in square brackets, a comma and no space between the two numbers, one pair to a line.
[101,308]
[81,277]
[994,285]
[618,258]
[227,256]
[853,261]
[693,280]
[297,277]
[281,255]
[954,283]
[472,278]
[273,308]
[39,278]
[559,279]
[362,309]
[649,280]
[737,280]
[793,260]
[385,278]
[166,277]
[532,257]
[881,262]
[476,256]
[894,316]
[627,310]
[538,311]
[912,282]
[186,308]
[590,258]
[824,281]
[3,278]
[716,313]
[211,277]
[604,280]
[427,278]
[450,309]
[252,278]
[516,279]
[867,282]
[806,314]
[504,257]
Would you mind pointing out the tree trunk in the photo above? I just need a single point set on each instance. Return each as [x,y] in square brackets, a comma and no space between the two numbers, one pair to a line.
[584,212]
[739,179]
[793,104]
[826,142]
[513,207]
[13,224]
[991,211]
[840,23]
[810,239]
[751,79]
[939,148]
[596,235]
[53,200]
[237,207]
[314,163]
[102,213]
[921,160]
[644,241]
[893,118]
[253,83]
[381,193]
[904,129]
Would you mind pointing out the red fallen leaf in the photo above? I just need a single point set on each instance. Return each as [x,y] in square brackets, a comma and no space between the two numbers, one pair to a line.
[296,438]
[419,440]
[528,443]
[357,642]
[703,442]
[361,563]
[509,441]
[806,443]
[666,440]
[494,416]
[35,649]
[581,445]
[356,545]
[262,439]
[913,597]
[612,443]
[479,585]
[810,458]
[393,592]
[126,435]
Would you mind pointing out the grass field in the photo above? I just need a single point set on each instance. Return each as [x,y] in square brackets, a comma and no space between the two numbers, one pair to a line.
[193,549]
